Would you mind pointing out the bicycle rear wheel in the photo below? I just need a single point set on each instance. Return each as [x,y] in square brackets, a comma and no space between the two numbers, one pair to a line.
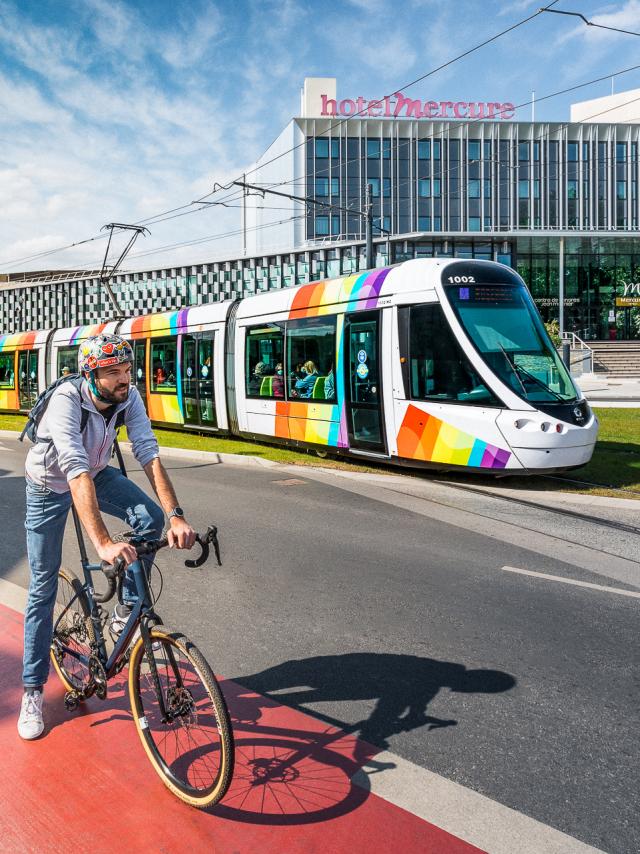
[192,748]
[73,632]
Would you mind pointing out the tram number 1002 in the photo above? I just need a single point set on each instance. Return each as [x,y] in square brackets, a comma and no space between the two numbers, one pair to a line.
[462,280]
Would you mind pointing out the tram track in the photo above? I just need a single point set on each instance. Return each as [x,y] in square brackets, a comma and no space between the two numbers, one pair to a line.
[558,511]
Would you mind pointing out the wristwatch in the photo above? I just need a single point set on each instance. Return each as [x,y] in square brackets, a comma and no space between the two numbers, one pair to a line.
[177,511]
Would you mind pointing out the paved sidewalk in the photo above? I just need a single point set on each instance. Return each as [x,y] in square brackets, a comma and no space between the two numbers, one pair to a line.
[602,390]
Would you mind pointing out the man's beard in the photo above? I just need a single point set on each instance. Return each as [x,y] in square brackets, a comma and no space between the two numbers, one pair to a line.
[117,396]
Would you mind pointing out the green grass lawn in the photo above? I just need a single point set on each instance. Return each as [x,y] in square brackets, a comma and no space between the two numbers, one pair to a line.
[615,464]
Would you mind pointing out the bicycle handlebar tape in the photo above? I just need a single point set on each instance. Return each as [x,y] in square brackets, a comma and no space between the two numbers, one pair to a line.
[111,575]
[211,536]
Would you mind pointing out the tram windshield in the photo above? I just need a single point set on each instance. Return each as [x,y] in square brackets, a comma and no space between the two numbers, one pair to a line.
[505,327]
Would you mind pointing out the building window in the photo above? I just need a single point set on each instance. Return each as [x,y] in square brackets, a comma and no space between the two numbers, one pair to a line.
[335,186]
[474,189]
[386,148]
[474,149]
[322,147]
[621,190]
[436,149]
[373,149]
[523,189]
[163,365]
[375,186]
[436,187]
[311,348]
[621,152]
[384,225]
[335,224]
[322,225]
[572,189]
[424,149]
[264,372]
[438,369]
[424,188]
[536,188]
[424,223]
[523,151]
[335,149]
[572,152]
[322,186]
[386,187]
[474,223]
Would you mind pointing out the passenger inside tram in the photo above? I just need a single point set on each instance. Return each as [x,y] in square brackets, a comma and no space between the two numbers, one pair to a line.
[277,386]
[255,381]
[305,386]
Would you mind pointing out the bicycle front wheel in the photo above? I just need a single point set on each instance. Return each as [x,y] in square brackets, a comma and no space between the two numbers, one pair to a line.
[189,743]
[73,633]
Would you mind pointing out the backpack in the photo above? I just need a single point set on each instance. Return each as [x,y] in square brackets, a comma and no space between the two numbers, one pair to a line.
[41,404]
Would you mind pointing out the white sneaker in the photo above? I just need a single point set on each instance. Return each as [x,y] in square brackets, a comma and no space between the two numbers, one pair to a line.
[30,722]
[119,618]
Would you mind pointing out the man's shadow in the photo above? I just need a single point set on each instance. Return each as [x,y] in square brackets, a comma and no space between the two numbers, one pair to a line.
[402,686]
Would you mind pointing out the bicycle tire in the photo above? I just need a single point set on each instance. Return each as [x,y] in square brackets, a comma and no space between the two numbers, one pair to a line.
[75,631]
[200,773]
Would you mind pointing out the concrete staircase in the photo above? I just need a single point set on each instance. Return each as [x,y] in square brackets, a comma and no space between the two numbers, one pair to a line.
[616,358]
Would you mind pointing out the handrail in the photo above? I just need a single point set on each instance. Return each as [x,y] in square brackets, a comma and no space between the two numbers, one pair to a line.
[577,343]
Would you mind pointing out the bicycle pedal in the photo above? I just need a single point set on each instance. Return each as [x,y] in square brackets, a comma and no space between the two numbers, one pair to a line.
[71,701]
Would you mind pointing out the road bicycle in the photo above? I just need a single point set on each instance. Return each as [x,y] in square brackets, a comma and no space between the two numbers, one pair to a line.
[176,702]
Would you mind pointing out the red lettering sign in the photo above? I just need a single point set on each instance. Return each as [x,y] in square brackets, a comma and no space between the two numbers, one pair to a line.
[399,105]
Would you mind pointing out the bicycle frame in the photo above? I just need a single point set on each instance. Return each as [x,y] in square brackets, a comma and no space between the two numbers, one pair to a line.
[142,609]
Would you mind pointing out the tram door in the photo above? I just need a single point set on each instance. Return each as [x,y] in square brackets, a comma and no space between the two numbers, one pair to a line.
[198,397]
[363,382]
[139,369]
[27,378]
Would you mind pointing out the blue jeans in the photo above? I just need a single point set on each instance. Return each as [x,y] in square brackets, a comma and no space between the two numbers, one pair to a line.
[45,522]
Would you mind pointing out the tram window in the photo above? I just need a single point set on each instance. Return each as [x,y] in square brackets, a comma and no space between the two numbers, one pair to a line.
[163,365]
[6,370]
[264,362]
[438,369]
[311,349]
[67,361]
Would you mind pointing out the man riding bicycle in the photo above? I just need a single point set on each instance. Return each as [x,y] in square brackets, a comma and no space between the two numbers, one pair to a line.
[70,463]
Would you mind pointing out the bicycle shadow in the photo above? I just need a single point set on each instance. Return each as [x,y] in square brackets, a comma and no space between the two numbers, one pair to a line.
[295,765]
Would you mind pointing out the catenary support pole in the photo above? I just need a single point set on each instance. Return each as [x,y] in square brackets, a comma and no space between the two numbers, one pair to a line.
[561,287]
[368,207]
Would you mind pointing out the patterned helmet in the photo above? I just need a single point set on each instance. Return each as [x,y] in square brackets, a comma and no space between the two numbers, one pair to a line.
[102,351]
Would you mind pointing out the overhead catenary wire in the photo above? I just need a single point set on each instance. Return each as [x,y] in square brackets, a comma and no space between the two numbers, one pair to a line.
[190,208]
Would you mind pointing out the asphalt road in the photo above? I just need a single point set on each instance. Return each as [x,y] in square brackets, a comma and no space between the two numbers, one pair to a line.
[381,605]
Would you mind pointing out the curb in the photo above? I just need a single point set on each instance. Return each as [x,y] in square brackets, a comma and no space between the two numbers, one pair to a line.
[250,461]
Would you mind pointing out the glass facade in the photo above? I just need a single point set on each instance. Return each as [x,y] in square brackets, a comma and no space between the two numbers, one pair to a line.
[504,191]
[459,176]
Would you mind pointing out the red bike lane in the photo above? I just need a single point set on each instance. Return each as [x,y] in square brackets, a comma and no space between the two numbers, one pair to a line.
[87,783]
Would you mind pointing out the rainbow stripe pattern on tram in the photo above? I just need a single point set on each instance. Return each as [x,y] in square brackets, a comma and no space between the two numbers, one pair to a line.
[354,293]
[163,406]
[333,296]
[18,341]
[424,437]
[82,332]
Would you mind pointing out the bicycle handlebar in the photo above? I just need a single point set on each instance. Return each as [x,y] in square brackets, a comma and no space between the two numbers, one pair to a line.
[112,571]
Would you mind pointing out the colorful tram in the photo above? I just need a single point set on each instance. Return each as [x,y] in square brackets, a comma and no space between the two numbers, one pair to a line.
[437,362]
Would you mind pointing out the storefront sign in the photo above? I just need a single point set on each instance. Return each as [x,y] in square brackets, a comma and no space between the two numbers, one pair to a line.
[631,296]
[550,302]
[399,106]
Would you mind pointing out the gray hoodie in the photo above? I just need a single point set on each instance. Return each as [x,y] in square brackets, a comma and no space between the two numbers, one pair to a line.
[63,452]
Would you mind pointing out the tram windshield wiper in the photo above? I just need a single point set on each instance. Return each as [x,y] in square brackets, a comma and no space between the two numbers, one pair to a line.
[521,372]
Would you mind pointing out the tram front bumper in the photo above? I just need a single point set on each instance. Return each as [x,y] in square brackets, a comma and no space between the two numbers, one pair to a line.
[542,442]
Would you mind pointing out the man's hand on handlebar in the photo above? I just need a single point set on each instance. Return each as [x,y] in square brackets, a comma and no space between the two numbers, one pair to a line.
[180,534]
[110,552]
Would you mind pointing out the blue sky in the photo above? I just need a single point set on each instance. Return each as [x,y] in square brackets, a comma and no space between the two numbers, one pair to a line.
[116,111]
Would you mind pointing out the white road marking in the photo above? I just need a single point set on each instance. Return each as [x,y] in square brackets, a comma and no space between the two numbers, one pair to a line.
[462,812]
[604,589]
